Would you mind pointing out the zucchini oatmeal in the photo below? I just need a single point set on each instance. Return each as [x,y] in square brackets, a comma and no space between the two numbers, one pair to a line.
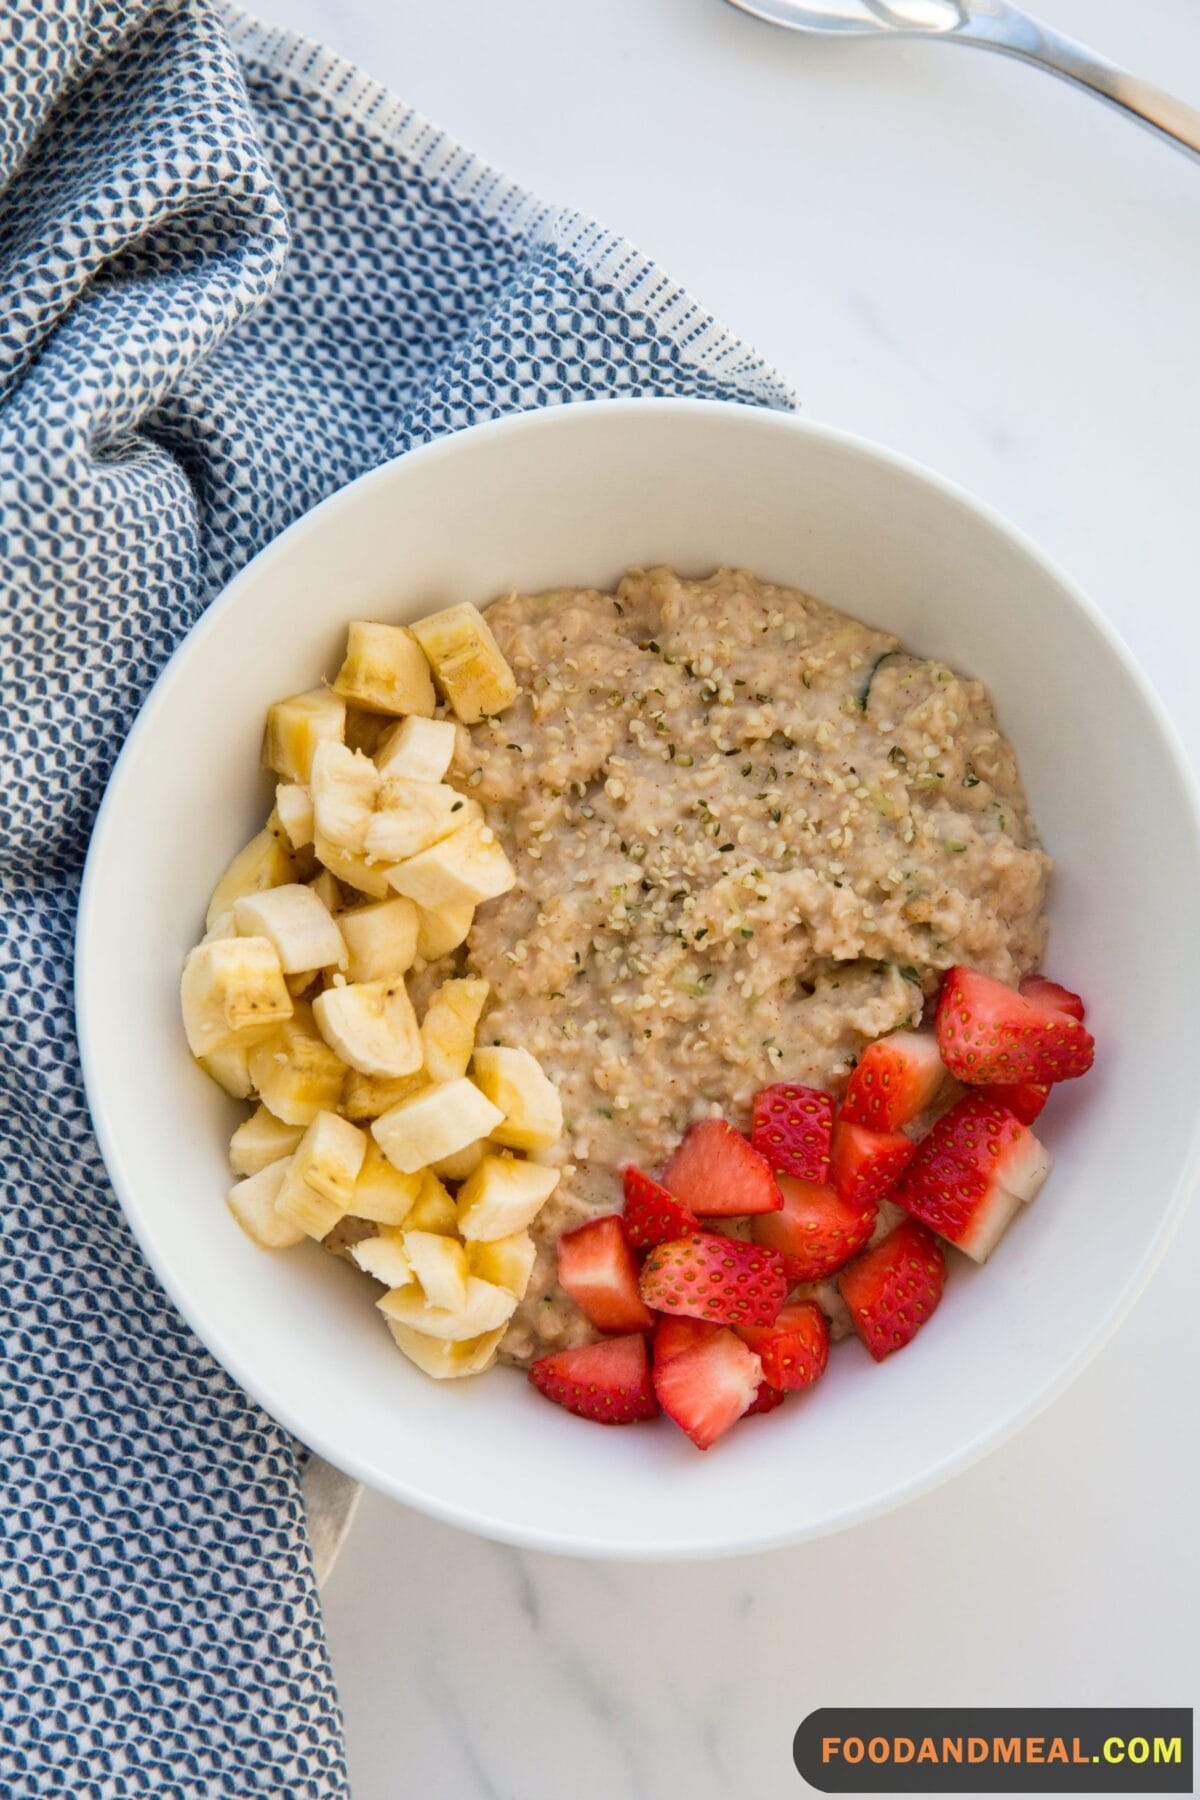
[750,835]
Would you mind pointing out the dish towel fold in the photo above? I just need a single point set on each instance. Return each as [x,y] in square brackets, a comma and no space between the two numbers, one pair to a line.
[234,274]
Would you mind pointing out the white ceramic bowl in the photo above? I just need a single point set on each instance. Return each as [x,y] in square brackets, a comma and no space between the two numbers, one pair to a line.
[572,496]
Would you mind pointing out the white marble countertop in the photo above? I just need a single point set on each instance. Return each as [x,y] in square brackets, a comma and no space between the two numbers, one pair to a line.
[972,263]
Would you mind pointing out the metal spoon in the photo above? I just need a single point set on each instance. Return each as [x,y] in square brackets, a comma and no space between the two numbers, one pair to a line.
[992,25]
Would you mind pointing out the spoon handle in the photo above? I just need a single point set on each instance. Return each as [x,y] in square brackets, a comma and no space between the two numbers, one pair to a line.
[1013,33]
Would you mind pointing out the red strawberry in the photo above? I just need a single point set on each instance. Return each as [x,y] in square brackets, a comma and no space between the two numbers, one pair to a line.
[719,1175]
[596,1267]
[1052,993]
[817,1231]
[1024,1098]
[971,1174]
[892,1288]
[705,1389]
[707,1276]
[792,1128]
[989,1033]
[896,1078]
[674,1333]
[795,1349]
[609,1382]
[865,1164]
[766,1400]
[652,1216]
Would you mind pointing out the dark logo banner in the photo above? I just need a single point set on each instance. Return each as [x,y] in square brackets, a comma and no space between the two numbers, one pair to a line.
[997,1750]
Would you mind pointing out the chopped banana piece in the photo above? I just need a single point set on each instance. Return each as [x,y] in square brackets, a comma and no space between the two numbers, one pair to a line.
[411,815]
[385,1258]
[434,1210]
[365,729]
[359,872]
[418,749]
[325,887]
[508,1261]
[230,1069]
[385,670]
[224,927]
[298,925]
[381,940]
[467,661]
[295,727]
[344,785]
[233,991]
[295,1072]
[443,1359]
[372,1026]
[462,1163]
[486,1307]
[261,1140]
[448,1028]
[468,866]
[443,930]
[265,862]
[381,1193]
[440,1265]
[329,1158]
[294,807]
[366,1096]
[302,1208]
[516,1083]
[502,1197]
[434,1123]
[252,1203]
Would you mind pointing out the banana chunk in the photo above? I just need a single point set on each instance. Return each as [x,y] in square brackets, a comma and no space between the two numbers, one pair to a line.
[417,749]
[440,1265]
[230,1069]
[384,1257]
[381,940]
[261,1140]
[319,1184]
[294,1071]
[508,1261]
[443,930]
[385,670]
[294,809]
[516,1083]
[411,815]
[468,866]
[467,661]
[443,1359]
[502,1197]
[296,726]
[366,1096]
[434,1210]
[361,872]
[434,1123]
[448,1028]
[232,990]
[486,1307]
[252,1203]
[381,1193]
[462,1163]
[265,862]
[344,786]
[300,928]
[371,1025]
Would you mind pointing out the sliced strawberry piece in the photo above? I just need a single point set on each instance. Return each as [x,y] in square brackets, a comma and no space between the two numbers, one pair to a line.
[707,1276]
[596,1268]
[652,1215]
[864,1163]
[892,1289]
[766,1400]
[1024,1098]
[792,1128]
[817,1231]
[896,1078]
[674,1333]
[971,1173]
[719,1175]
[795,1349]
[609,1382]
[705,1389]
[989,1033]
[1052,993]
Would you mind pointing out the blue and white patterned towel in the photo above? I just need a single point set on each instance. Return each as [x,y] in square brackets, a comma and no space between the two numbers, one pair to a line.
[233,275]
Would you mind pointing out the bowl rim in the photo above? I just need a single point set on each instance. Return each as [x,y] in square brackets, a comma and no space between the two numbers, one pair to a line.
[360,1464]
